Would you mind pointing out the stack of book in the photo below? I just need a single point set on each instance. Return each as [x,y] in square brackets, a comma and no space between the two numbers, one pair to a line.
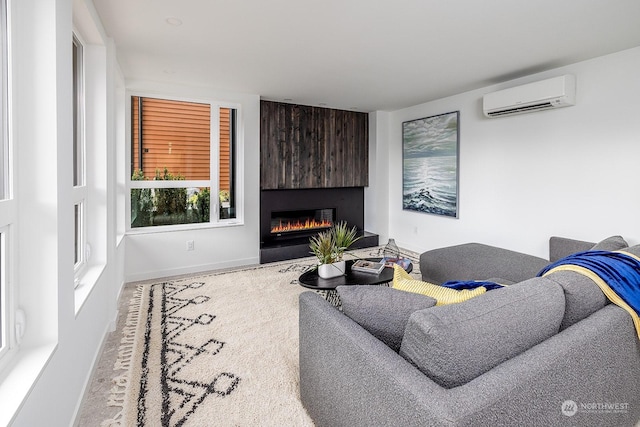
[365,266]
[402,262]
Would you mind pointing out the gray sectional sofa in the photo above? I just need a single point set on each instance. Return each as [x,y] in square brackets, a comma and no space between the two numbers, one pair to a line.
[544,351]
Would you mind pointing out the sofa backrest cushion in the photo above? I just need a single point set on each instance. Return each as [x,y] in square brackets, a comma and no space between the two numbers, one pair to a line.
[633,250]
[382,311]
[582,296]
[453,344]
[613,243]
[560,247]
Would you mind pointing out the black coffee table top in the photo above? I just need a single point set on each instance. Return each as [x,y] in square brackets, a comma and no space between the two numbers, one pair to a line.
[311,280]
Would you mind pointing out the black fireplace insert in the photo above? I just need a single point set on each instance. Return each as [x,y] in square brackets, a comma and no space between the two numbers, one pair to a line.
[288,218]
[301,222]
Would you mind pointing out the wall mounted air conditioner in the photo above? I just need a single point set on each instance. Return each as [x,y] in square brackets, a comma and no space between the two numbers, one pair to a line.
[543,95]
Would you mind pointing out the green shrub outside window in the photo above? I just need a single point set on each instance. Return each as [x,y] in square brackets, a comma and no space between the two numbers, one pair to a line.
[168,206]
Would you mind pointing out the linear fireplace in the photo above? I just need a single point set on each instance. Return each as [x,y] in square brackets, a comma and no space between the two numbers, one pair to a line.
[288,218]
[292,223]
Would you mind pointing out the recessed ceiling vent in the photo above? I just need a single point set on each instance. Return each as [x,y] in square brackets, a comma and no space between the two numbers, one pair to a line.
[543,95]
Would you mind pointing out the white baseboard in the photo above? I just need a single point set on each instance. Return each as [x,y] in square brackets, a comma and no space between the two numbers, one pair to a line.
[158,274]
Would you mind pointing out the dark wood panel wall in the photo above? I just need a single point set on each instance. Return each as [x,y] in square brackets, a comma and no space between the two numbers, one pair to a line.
[312,147]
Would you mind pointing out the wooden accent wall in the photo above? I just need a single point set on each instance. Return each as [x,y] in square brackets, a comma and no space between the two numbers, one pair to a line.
[312,147]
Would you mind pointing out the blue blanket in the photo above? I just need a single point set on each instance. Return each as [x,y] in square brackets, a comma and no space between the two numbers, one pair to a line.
[618,274]
[471,284]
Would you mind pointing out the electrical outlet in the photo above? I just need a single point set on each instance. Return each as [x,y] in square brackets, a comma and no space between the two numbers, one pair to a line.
[190,245]
[415,230]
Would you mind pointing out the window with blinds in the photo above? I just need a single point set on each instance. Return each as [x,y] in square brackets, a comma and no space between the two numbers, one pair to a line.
[174,135]
[172,141]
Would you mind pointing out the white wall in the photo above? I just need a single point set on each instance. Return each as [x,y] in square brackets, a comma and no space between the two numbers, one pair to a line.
[376,195]
[569,172]
[155,254]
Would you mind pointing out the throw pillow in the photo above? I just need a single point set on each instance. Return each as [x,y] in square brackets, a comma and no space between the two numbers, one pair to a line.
[382,311]
[404,282]
[613,243]
[454,344]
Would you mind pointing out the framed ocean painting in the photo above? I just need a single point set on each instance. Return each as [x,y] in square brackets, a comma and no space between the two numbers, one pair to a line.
[430,164]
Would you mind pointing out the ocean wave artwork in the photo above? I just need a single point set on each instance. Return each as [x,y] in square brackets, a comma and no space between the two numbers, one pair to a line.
[430,165]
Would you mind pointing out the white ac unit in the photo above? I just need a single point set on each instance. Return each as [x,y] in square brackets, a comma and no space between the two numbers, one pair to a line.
[543,95]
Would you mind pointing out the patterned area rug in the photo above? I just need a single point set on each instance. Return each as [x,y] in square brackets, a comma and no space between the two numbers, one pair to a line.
[217,349]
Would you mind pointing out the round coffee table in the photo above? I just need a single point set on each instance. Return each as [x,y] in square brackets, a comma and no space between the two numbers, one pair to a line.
[311,280]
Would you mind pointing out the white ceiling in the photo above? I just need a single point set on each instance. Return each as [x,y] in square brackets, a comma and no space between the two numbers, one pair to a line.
[364,55]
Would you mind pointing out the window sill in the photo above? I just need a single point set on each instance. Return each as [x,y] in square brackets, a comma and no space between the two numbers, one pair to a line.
[185,227]
[88,280]
[21,376]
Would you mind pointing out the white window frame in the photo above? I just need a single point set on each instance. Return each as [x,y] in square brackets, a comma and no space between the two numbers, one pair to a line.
[8,216]
[213,183]
[6,295]
[80,189]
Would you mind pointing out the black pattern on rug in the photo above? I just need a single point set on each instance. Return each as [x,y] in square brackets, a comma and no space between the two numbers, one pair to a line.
[180,397]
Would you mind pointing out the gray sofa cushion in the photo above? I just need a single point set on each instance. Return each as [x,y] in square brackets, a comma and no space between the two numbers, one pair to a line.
[454,344]
[582,296]
[476,261]
[499,281]
[634,250]
[560,247]
[382,311]
[613,243]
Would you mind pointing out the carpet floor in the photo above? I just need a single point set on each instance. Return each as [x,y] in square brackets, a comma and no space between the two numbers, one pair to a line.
[217,348]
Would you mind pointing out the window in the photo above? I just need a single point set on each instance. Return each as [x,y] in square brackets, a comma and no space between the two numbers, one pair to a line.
[182,153]
[79,179]
[89,155]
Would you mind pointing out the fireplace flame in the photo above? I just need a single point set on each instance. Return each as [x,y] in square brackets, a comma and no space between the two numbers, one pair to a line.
[298,225]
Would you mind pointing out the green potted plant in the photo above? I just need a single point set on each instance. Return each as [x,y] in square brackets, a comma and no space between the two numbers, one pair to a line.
[224,198]
[329,247]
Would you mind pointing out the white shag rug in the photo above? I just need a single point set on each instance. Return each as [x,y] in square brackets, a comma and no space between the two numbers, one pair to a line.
[218,349]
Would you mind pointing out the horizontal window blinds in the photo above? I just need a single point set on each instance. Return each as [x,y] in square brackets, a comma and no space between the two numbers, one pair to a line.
[225,148]
[175,135]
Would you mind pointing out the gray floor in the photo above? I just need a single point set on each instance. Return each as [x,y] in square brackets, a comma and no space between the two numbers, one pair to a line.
[94,408]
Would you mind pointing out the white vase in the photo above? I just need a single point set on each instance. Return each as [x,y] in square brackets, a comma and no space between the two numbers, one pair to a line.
[328,271]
